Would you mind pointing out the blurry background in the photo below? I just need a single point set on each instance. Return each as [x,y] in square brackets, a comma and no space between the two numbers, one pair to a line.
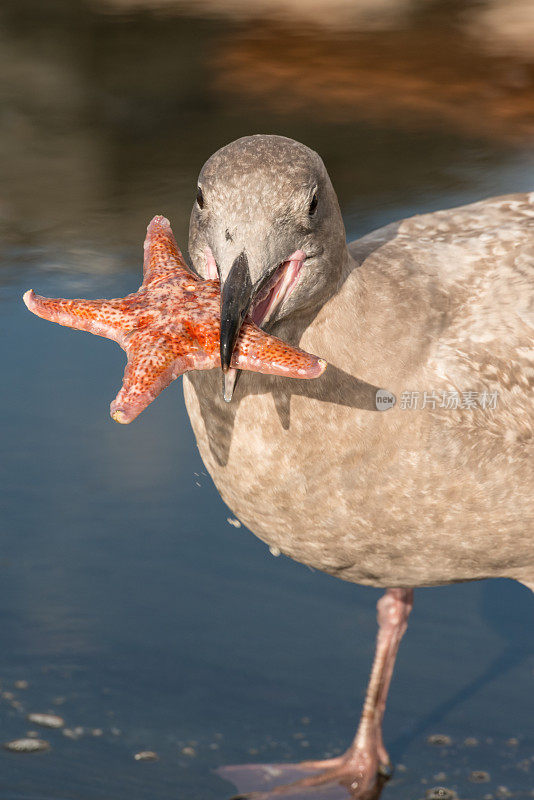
[128,603]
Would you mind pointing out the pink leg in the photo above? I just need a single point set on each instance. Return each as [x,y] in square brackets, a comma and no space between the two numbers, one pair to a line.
[393,611]
[361,772]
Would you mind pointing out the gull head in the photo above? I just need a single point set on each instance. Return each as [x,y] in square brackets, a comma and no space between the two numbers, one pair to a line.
[266,223]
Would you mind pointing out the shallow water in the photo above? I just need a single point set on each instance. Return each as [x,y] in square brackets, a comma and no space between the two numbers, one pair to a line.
[128,603]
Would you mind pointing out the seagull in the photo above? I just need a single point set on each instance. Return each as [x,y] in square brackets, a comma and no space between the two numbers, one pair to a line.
[409,461]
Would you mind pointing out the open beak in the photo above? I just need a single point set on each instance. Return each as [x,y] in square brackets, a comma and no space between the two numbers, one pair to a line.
[239,297]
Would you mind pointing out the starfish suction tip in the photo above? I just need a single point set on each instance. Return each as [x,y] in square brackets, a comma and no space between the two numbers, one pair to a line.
[323,364]
[119,416]
[159,221]
[28,298]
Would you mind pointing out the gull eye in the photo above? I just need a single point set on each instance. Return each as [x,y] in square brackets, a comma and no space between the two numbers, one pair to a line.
[313,205]
[200,198]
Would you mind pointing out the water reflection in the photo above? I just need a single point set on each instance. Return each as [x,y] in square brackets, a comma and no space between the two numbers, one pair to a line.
[467,65]
[108,115]
[423,77]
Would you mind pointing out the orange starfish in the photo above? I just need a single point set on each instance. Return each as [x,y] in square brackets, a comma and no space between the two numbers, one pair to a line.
[169,326]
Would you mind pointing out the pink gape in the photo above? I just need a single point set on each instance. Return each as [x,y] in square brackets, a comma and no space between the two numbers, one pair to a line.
[169,326]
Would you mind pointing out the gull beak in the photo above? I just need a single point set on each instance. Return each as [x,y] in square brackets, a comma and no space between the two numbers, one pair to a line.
[237,294]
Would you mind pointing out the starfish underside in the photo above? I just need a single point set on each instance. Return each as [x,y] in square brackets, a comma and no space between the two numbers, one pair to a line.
[169,326]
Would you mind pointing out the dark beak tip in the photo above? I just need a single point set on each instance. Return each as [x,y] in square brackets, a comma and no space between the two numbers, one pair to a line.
[236,297]
[226,353]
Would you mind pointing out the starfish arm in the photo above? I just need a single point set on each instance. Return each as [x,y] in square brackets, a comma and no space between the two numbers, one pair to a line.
[257,351]
[151,367]
[106,318]
[162,256]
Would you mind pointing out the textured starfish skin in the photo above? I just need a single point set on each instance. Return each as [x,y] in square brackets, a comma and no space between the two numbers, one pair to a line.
[169,326]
